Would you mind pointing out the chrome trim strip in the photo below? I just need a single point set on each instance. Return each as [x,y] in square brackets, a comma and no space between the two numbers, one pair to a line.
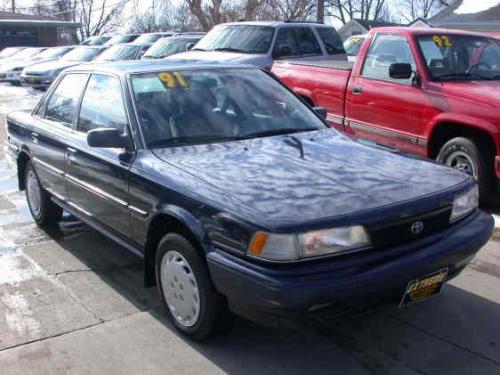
[96,191]
[12,146]
[48,166]
[137,210]
[385,132]
[55,195]
[335,118]
[75,206]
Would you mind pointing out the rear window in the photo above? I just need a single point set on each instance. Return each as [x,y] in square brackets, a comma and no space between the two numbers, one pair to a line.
[331,40]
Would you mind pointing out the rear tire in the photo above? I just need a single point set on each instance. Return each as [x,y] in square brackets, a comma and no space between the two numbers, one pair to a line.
[185,288]
[45,212]
[463,154]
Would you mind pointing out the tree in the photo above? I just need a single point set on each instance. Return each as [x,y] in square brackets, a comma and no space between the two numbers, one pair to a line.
[346,10]
[410,10]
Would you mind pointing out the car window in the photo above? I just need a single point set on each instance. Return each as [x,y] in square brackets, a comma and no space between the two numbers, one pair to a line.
[331,40]
[102,105]
[384,51]
[63,102]
[286,43]
[308,44]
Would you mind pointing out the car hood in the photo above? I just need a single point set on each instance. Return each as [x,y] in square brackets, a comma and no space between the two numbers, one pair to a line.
[43,67]
[266,180]
[21,64]
[479,92]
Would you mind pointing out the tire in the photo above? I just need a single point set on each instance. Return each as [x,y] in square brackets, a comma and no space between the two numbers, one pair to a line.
[178,265]
[463,154]
[45,212]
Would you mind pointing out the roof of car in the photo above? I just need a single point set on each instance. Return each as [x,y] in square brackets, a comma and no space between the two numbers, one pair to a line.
[423,30]
[276,23]
[145,66]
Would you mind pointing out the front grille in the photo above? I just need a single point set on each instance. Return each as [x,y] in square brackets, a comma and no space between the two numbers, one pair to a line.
[35,74]
[408,229]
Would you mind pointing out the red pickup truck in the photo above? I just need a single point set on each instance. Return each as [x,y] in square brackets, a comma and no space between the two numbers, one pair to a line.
[431,92]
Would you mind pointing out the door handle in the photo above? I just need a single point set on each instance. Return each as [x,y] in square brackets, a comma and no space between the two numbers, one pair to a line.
[71,150]
[356,90]
[34,137]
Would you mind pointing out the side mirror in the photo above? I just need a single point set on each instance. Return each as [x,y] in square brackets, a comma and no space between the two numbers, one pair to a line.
[189,46]
[400,71]
[320,111]
[107,138]
[283,51]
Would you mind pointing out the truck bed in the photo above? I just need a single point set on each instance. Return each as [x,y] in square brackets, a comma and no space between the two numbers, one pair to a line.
[338,65]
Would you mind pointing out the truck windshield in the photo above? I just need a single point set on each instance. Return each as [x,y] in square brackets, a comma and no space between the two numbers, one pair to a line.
[178,108]
[451,57]
[237,38]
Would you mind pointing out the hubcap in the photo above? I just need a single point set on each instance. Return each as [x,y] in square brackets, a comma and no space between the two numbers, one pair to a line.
[180,288]
[34,193]
[463,162]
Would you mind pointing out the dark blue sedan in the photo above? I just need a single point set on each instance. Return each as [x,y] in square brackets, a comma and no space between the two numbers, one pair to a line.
[238,196]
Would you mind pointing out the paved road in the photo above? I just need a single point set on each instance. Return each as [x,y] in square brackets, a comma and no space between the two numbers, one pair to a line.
[72,302]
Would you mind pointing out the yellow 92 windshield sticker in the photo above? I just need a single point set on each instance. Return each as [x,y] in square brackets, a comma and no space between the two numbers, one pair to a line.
[173,80]
[442,41]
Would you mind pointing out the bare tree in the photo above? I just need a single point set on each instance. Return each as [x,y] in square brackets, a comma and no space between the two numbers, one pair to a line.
[410,10]
[346,10]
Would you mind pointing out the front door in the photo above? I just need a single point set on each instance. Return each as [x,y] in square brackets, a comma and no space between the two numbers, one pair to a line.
[383,109]
[97,178]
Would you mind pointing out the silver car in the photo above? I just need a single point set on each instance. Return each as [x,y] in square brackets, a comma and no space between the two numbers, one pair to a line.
[260,43]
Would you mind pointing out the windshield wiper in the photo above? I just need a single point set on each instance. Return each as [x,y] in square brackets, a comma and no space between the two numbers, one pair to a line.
[198,49]
[270,133]
[178,141]
[229,49]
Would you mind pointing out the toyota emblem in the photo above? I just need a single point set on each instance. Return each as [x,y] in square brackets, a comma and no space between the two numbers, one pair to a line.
[417,227]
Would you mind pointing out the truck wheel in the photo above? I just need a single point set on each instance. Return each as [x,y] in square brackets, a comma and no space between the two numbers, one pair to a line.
[463,154]
[45,212]
[185,287]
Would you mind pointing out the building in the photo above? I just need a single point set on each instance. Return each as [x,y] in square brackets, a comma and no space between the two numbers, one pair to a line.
[18,29]
[358,26]
[419,22]
[474,15]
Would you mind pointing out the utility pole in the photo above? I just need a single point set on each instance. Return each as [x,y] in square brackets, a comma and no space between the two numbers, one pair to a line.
[13,6]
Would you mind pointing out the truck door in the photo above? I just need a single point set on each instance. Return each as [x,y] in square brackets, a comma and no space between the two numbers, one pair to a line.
[382,109]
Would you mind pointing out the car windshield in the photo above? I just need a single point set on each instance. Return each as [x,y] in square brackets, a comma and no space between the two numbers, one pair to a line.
[186,107]
[27,52]
[451,57]
[9,51]
[118,39]
[95,40]
[81,54]
[52,53]
[237,38]
[119,52]
[168,46]
[353,45]
[148,38]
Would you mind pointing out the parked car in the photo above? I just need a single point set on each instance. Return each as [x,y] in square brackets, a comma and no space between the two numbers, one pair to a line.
[152,37]
[96,40]
[41,76]
[431,92]
[170,46]
[11,71]
[126,51]
[10,51]
[352,45]
[25,54]
[238,194]
[260,43]
[119,39]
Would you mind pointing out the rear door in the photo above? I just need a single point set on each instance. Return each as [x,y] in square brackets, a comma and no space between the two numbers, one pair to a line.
[54,120]
[98,177]
[383,109]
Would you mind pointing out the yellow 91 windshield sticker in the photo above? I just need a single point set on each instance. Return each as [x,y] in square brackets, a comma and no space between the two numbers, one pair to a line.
[442,41]
[173,80]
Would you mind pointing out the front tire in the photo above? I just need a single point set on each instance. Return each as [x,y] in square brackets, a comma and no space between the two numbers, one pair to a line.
[185,287]
[45,212]
[463,154]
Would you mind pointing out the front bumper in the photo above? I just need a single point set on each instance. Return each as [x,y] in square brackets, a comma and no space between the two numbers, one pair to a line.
[272,295]
[10,76]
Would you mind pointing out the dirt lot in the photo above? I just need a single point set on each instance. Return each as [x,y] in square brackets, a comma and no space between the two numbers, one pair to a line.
[72,301]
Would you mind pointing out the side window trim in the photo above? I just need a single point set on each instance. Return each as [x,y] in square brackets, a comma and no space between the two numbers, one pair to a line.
[318,42]
[322,46]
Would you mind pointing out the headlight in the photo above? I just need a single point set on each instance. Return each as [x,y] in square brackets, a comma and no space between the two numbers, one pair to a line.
[283,247]
[464,204]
